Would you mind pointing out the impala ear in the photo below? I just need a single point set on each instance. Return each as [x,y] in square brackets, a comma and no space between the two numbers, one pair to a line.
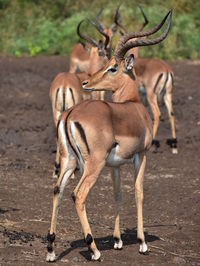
[129,62]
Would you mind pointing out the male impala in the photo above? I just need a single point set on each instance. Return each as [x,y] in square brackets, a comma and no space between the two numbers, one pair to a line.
[80,54]
[155,79]
[66,89]
[97,133]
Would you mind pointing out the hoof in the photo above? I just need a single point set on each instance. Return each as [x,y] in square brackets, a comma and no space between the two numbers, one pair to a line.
[144,253]
[174,151]
[96,256]
[51,256]
[118,244]
[144,249]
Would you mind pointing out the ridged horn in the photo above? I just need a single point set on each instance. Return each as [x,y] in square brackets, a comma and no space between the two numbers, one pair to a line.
[84,36]
[118,20]
[100,30]
[146,21]
[125,43]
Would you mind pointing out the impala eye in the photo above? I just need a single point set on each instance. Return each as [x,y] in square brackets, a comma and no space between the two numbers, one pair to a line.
[112,70]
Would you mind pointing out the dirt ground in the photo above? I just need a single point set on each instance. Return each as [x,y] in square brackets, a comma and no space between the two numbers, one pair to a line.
[27,153]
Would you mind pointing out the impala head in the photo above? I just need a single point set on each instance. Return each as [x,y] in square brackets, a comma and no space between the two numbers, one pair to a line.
[120,68]
[101,45]
[113,71]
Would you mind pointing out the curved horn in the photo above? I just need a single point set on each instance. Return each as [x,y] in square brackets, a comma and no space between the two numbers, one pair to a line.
[97,19]
[138,34]
[85,37]
[146,21]
[98,27]
[122,47]
[99,13]
[118,20]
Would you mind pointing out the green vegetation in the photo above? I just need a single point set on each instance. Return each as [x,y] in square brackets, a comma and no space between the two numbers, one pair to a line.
[31,27]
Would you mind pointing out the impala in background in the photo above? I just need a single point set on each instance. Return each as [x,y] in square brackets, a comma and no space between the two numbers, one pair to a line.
[155,79]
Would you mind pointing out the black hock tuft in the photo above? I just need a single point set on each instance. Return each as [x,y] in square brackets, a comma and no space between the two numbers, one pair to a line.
[172,143]
[156,143]
[116,239]
[89,239]
[51,237]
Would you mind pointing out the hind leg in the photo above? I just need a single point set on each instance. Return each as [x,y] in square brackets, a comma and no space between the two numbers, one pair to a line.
[168,102]
[153,102]
[87,181]
[57,162]
[67,170]
[56,170]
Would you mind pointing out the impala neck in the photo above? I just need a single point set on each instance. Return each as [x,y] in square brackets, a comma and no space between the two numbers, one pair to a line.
[127,89]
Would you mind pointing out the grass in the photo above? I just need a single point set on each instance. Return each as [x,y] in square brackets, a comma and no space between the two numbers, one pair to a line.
[34,27]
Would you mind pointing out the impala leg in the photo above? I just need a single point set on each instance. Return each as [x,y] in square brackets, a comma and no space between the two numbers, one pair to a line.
[156,115]
[140,163]
[117,195]
[80,194]
[57,162]
[67,169]
[169,105]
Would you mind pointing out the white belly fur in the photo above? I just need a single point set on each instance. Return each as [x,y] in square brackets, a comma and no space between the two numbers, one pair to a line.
[114,159]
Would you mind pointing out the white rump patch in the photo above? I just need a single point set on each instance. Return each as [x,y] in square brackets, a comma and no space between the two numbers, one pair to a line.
[68,99]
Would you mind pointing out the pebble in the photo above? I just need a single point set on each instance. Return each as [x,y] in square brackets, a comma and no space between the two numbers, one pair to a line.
[75,259]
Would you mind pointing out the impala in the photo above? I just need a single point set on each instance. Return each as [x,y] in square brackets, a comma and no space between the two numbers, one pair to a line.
[97,133]
[66,89]
[155,79]
[80,53]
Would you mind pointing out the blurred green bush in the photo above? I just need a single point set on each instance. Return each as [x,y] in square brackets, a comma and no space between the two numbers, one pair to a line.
[31,27]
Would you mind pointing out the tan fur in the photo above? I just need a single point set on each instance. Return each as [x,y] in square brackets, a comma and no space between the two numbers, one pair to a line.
[95,134]
[148,72]
[66,90]
[79,58]
[60,95]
